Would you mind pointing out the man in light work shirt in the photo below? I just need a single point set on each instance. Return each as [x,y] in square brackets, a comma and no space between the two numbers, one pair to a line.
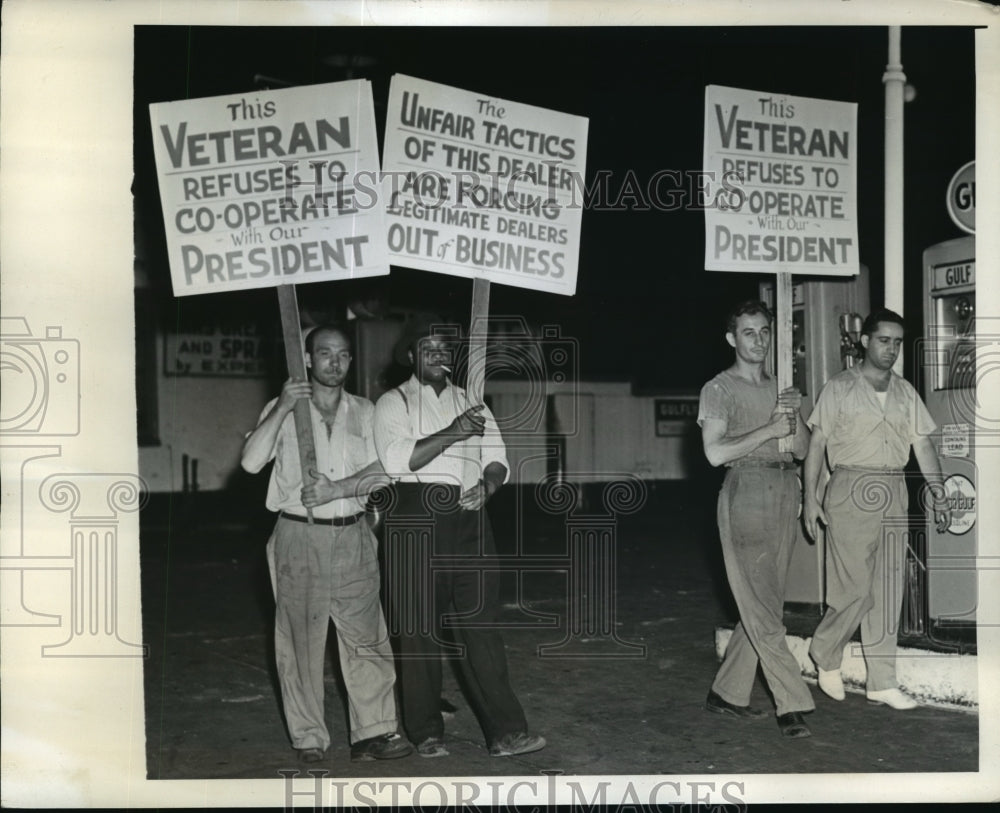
[327,568]
[422,433]
[742,417]
[864,424]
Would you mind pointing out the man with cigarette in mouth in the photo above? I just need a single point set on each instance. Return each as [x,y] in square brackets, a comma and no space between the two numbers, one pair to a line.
[425,431]
[742,417]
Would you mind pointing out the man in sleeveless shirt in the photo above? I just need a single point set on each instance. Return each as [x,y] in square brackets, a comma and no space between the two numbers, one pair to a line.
[447,459]
[327,568]
[742,417]
[864,424]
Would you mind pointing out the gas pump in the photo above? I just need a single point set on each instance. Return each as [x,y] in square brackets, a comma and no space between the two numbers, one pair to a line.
[826,327]
[948,362]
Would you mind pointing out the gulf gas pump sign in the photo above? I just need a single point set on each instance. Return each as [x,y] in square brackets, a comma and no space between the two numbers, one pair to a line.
[947,354]
[961,494]
[961,198]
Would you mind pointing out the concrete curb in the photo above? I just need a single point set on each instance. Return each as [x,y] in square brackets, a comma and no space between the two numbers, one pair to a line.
[940,679]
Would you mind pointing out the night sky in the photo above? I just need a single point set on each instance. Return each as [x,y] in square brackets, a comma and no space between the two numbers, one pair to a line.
[646,310]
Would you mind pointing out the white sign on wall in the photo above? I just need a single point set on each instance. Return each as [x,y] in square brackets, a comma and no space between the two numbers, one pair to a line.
[786,168]
[270,188]
[956,440]
[477,186]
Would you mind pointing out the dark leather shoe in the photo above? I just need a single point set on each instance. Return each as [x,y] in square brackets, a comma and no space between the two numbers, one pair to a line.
[792,725]
[385,746]
[311,755]
[716,704]
[448,709]
[431,748]
[514,744]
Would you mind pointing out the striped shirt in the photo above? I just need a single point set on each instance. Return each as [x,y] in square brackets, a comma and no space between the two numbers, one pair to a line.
[413,411]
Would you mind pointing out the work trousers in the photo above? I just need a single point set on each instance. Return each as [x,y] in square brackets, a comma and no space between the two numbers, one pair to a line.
[442,589]
[322,572]
[864,571]
[757,513]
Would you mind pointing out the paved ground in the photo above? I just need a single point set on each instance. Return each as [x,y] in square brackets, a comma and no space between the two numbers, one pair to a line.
[212,708]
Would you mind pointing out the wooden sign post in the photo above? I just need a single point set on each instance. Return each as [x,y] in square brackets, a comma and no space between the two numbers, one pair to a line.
[783,328]
[475,383]
[291,331]
[478,334]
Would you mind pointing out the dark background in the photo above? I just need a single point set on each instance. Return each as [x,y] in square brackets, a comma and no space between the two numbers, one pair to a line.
[645,309]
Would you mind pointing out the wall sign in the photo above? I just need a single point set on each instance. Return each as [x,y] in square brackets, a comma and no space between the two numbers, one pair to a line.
[219,351]
[674,416]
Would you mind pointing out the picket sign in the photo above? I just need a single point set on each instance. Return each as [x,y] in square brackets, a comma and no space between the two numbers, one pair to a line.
[231,167]
[785,199]
[484,188]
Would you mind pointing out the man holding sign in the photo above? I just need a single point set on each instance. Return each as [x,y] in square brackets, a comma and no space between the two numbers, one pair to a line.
[864,424]
[742,416]
[323,557]
[422,433]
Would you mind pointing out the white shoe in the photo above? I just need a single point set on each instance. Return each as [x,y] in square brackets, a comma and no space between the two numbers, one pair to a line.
[894,698]
[831,683]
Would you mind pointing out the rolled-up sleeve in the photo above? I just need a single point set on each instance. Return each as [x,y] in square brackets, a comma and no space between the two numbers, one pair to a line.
[824,414]
[713,403]
[277,441]
[923,423]
[494,450]
[394,440]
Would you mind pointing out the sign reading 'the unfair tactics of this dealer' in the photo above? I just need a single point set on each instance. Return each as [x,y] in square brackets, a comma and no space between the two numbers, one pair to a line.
[787,170]
[270,188]
[477,186]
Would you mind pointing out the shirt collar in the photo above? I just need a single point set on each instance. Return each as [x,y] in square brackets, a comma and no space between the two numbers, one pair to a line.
[341,408]
[416,386]
[862,381]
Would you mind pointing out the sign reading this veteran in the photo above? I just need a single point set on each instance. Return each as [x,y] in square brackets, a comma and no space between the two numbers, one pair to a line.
[477,186]
[786,167]
[270,188]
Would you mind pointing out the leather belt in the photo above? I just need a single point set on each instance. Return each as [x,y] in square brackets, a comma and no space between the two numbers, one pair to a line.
[868,469]
[337,522]
[763,464]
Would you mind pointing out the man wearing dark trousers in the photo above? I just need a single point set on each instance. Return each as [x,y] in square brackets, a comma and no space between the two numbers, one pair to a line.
[742,417]
[447,459]
[327,568]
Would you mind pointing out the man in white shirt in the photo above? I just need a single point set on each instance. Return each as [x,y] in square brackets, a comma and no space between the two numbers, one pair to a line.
[447,459]
[327,568]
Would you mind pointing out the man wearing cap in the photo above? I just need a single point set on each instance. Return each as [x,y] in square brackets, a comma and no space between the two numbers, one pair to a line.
[742,417]
[865,422]
[447,459]
[327,567]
